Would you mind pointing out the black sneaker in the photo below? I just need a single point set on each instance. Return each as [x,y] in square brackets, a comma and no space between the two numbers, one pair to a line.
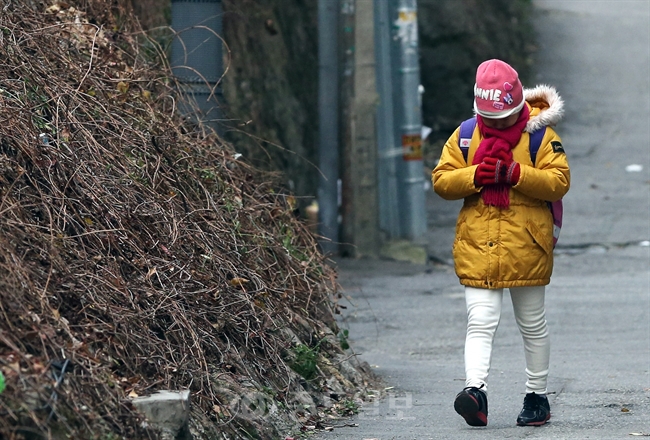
[472,405]
[536,410]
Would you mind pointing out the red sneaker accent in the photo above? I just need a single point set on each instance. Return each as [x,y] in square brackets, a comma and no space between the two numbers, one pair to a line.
[468,407]
[540,423]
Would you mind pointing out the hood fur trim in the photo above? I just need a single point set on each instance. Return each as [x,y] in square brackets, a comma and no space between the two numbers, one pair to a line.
[550,105]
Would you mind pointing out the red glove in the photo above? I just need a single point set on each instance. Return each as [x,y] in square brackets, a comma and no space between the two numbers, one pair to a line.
[492,171]
[505,156]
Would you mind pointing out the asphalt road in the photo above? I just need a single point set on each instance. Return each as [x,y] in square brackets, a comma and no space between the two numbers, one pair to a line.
[408,321]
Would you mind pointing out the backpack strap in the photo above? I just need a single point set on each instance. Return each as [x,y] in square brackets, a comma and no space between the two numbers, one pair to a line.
[557,207]
[466,131]
[557,210]
[536,142]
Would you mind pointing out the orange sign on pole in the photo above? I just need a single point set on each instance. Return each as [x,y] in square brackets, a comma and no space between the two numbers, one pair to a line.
[412,146]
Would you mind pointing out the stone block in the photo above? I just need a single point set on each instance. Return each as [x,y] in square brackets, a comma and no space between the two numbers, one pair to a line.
[168,411]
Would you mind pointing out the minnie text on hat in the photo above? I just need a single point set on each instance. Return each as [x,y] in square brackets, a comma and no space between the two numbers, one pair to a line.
[491,94]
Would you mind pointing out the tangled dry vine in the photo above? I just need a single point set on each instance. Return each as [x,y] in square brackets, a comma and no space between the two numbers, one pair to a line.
[137,252]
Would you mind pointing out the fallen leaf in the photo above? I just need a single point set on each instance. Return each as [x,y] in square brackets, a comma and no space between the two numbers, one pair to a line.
[238,282]
[150,273]
[34,317]
[38,367]
[122,87]
[133,394]
[291,201]
[624,409]
[54,9]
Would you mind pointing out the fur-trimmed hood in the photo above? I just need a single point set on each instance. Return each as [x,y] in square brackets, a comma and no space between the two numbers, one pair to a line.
[547,107]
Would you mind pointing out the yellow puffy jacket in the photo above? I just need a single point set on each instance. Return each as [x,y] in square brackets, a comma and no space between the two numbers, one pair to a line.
[496,248]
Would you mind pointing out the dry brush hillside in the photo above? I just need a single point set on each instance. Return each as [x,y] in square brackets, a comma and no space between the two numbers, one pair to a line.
[138,253]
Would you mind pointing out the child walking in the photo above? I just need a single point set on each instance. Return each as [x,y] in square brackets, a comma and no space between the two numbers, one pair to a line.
[504,232]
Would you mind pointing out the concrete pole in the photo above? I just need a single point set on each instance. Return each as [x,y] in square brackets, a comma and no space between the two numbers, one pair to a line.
[411,172]
[364,152]
[360,228]
[388,153]
[328,111]
[197,57]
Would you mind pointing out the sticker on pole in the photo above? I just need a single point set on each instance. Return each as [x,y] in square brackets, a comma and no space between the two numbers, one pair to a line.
[407,27]
[412,146]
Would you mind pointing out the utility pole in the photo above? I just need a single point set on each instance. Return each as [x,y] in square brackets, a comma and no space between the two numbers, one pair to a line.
[411,173]
[346,96]
[197,57]
[380,125]
[388,153]
[328,133]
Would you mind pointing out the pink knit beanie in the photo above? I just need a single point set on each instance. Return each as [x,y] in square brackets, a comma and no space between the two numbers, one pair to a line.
[497,92]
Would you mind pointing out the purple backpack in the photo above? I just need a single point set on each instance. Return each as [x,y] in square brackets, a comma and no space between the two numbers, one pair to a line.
[557,209]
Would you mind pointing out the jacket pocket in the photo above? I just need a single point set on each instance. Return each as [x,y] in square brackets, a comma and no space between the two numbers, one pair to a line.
[545,241]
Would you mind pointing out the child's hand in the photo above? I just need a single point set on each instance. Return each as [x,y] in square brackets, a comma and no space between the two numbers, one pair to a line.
[486,172]
[492,171]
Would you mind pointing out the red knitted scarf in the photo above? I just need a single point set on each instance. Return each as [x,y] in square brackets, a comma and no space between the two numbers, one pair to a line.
[499,144]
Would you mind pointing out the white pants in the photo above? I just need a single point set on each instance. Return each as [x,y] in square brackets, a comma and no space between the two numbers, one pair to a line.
[483,315]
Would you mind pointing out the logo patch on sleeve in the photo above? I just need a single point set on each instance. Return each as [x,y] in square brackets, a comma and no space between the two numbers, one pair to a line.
[557,147]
